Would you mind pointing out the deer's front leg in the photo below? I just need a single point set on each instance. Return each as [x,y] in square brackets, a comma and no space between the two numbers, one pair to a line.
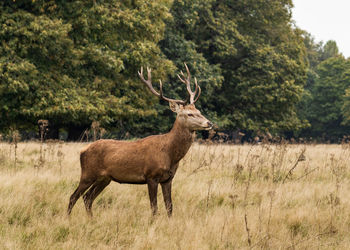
[166,189]
[152,191]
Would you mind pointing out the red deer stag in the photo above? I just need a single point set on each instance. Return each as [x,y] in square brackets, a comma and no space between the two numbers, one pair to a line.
[150,161]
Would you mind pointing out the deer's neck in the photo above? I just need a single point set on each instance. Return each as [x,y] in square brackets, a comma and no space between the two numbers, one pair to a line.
[180,141]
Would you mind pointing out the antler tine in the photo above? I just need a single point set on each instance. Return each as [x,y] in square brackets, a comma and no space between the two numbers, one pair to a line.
[148,83]
[140,72]
[187,81]
[161,89]
[149,75]
[188,72]
[192,95]
[198,89]
[196,85]
[166,98]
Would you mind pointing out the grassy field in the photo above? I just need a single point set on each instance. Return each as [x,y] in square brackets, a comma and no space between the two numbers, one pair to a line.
[225,197]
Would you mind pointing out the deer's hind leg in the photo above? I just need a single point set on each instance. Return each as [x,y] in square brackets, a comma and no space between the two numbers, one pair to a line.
[84,184]
[93,192]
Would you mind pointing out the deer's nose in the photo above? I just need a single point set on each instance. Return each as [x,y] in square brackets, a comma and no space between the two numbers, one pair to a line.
[210,124]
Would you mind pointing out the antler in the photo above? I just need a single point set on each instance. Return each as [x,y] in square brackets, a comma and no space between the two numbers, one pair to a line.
[148,83]
[187,81]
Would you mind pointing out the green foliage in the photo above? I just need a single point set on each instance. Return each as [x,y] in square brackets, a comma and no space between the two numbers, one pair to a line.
[330,49]
[323,103]
[314,50]
[76,62]
[345,77]
[326,101]
[260,59]
[179,50]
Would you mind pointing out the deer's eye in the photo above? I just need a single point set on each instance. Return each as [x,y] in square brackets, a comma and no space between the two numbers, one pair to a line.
[190,115]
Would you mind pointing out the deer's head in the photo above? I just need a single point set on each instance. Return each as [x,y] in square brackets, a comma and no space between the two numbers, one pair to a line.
[187,114]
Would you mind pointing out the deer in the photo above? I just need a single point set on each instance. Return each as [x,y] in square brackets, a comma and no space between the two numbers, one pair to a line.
[152,160]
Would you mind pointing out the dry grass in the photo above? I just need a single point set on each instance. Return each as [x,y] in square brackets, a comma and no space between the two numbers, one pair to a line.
[225,197]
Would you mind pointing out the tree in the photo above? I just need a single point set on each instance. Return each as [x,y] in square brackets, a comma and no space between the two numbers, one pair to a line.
[179,49]
[313,53]
[74,62]
[330,49]
[327,104]
[322,104]
[261,59]
[346,98]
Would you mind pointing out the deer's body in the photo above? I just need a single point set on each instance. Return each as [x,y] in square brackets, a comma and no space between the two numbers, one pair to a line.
[152,160]
[135,162]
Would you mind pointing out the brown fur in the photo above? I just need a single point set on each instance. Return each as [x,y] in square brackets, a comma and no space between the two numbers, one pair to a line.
[152,161]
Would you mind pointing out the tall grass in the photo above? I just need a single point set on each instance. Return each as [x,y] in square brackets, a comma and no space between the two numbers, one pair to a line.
[248,196]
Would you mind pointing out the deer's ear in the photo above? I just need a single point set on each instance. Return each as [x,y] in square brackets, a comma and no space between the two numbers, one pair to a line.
[175,107]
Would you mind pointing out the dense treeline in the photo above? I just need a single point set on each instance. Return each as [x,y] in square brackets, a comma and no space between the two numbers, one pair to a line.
[73,62]
[76,62]
[325,103]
